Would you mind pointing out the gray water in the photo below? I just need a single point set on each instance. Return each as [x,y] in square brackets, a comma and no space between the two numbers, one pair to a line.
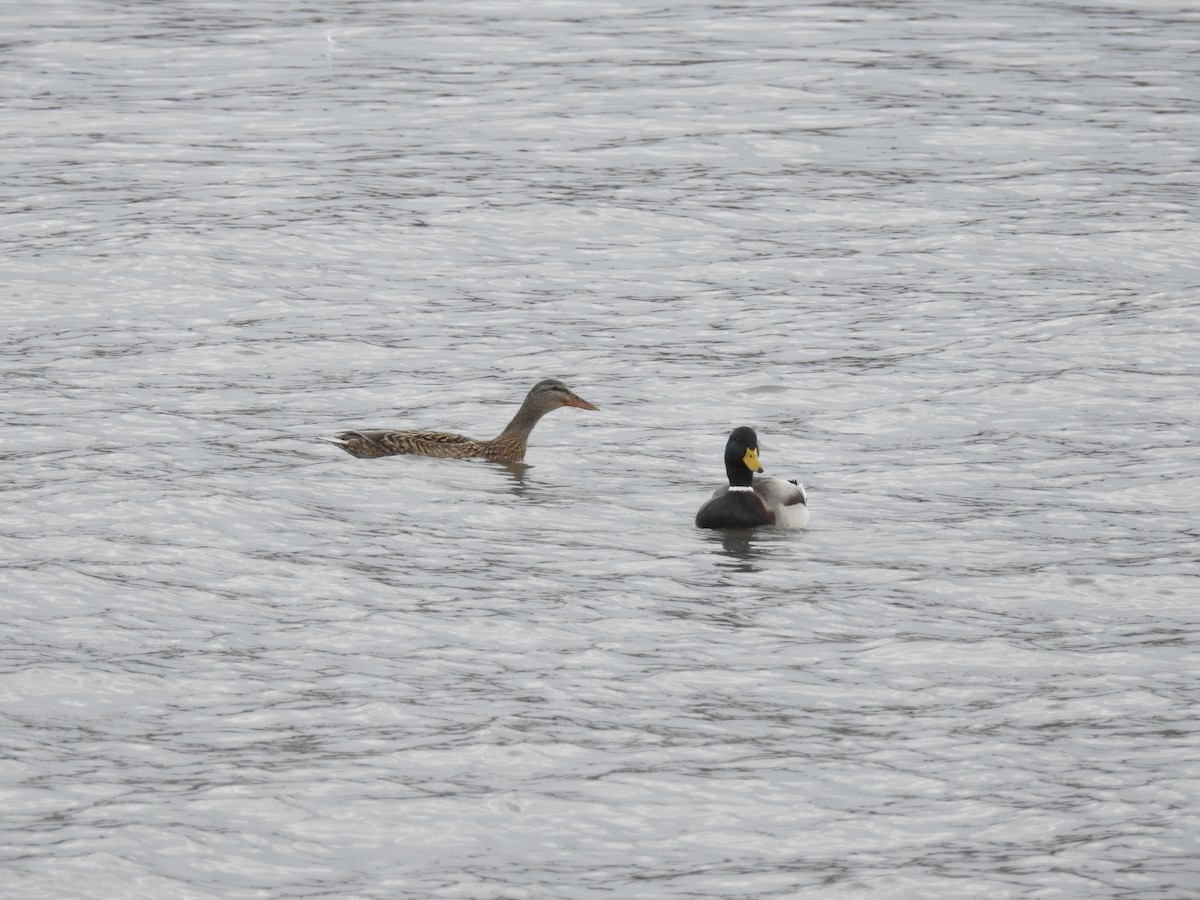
[942,255]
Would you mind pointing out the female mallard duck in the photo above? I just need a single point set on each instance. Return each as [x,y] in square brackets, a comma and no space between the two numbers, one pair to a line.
[747,502]
[507,447]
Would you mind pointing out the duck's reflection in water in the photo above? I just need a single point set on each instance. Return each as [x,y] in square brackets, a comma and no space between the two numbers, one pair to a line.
[742,546]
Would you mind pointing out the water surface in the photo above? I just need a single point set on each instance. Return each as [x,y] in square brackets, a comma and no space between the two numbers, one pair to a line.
[941,257]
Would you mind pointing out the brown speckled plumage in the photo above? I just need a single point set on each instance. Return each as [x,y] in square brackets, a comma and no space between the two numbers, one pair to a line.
[507,447]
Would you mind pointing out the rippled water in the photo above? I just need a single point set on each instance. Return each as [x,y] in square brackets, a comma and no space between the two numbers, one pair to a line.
[942,256]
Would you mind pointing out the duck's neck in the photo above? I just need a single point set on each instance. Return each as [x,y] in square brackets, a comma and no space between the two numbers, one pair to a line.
[522,423]
[739,475]
[510,444]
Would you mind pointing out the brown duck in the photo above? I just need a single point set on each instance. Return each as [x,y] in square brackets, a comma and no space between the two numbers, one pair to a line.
[507,447]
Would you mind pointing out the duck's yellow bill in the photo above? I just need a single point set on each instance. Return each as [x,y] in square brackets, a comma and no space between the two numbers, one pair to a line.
[751,460]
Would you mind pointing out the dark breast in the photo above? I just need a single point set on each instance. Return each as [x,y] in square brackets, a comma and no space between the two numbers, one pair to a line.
[735,509]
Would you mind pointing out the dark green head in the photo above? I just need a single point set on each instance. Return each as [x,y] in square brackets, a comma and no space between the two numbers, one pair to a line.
[741,456]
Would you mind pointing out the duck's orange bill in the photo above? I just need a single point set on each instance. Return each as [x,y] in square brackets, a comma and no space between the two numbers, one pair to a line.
[575,400]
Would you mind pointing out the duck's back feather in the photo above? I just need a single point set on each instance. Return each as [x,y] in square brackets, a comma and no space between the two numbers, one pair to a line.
[371,444]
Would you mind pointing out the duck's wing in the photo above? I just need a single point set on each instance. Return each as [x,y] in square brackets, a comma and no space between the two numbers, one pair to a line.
[779,492]
[786,499]
[369,444]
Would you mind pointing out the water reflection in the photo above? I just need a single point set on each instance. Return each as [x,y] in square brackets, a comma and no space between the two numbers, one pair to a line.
[516,474]
[742,547]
